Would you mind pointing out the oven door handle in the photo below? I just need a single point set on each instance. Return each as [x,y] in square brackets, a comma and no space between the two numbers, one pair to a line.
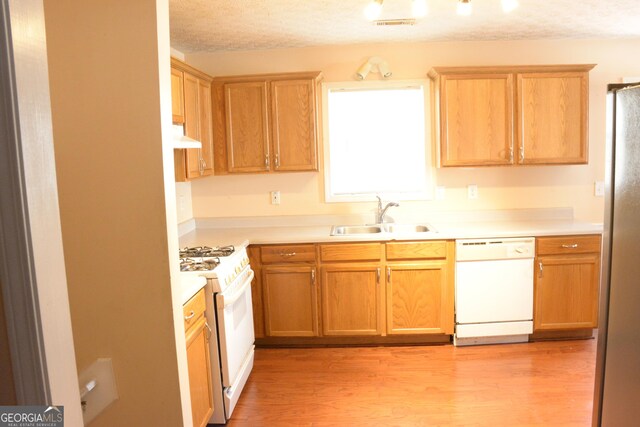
[233,298]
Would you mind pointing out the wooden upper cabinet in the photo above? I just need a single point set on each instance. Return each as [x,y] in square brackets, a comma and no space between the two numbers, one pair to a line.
[206,127]
[478,111]
[194,89]
[553,110]
[177,96]
[247,127]
[265,123]
[294,125]
[192,125]
[476,119]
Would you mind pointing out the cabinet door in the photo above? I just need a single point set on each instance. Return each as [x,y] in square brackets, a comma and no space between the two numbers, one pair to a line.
[205,125]
[351,299]
[199,373]
[419,298]
[552,118]
[192,124]
[566,292]
[290,301]
[177,96]
[294,125]
[476,119]
[247,127]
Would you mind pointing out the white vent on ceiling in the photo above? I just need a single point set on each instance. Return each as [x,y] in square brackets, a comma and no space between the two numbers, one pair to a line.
[405,21]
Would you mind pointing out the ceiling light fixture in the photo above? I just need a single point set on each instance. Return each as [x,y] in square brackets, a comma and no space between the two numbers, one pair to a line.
[464,7]
[373,10]
[419,8]
[509,5]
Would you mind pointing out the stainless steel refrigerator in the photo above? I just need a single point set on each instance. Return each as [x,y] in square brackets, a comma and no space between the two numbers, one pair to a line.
[617,388]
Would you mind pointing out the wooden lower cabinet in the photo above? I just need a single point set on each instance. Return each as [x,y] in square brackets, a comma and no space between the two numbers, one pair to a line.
[199,364]
[418,296]
[290,301]
[566,292]
[352,299]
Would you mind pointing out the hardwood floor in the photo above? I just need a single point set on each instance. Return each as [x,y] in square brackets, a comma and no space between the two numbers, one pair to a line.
[533,384]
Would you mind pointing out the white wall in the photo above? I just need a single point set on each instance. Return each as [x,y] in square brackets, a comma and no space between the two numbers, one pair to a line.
[111,104]
[43,228]
[499,188]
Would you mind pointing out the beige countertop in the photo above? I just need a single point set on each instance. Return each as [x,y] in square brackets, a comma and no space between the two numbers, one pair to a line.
[190,284]
[225,231]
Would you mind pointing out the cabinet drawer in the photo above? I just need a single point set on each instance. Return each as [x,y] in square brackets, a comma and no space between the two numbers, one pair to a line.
[193,309]
[568,245]
[288,253]
[417,250]
[351,252]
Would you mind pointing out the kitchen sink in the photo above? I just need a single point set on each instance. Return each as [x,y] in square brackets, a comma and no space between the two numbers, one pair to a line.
[341,230]
[348,230]
[406,228]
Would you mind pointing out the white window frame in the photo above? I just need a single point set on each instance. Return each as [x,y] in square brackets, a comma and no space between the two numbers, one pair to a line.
[428,192]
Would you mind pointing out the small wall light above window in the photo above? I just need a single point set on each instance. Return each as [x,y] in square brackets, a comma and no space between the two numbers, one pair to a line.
[375,64]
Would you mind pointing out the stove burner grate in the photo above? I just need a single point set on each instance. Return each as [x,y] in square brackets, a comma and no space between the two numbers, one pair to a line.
[206,251]
[190,264]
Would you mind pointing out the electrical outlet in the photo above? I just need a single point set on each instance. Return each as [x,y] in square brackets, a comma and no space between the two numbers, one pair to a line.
[97,388]
[598,189]
[275,197]
[472,191]
[441,193]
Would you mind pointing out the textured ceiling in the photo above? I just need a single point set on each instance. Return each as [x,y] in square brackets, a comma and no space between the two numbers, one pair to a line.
[217,25]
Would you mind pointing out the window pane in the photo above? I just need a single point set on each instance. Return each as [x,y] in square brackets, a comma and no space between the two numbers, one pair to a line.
[377,141]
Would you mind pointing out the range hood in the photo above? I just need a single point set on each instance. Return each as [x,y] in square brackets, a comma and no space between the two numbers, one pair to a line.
[180,141]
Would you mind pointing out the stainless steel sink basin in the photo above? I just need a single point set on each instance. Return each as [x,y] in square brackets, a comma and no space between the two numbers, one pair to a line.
[406,228]
[341,230]
[392,228]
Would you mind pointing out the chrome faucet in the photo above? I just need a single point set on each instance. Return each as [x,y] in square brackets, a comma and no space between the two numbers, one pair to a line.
[383,211]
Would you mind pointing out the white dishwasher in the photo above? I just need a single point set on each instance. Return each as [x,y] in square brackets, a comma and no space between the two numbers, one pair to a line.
[494,290]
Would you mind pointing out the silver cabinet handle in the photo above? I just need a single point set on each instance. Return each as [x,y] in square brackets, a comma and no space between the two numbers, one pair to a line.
[277,159]
[540,269]
[206,325]
[287,254]
[511,154]
[389,274]
[521,153]
[266,161]
[190,315]
[378,275]
[313,276]
[571,246]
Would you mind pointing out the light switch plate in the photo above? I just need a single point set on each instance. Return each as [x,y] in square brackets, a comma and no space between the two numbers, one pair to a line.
[441,193]
[104,391]
[598,189]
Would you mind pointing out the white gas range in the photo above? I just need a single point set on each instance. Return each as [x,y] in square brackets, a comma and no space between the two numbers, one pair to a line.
[229,307]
